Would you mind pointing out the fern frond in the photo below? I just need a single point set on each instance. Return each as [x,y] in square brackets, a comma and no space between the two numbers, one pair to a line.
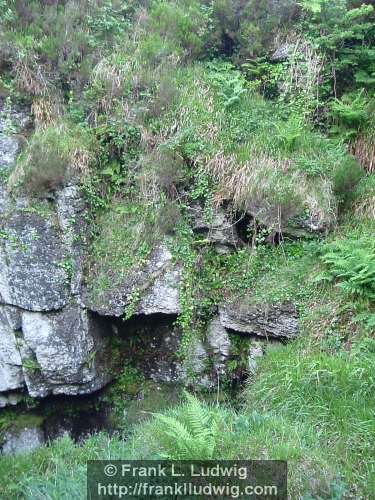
[197,416]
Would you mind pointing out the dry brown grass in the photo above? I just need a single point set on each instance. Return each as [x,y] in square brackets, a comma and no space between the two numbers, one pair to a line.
[269,189]
[363,149]
[30,77]
[365,207]
[46,111]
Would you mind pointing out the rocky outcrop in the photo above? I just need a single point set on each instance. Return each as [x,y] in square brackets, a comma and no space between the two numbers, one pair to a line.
[281,53]
[33,275]
[49,342]
[218,344]
[278,321]
[55,338]
[217,228]
[155,284]
[11,376]
[72,215]
[67,352]
[12,122]
[63,352]
[10,399]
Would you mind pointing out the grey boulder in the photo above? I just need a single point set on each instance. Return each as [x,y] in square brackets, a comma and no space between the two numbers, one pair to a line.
[156,284]
[22,441]
[64,353]
[33,272]
[262,320]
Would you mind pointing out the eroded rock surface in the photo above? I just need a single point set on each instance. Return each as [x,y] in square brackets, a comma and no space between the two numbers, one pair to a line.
[66,352]
[32,258]
[49,342]
[275,321]
[156,284]
[63,352]
[218,228]
[11,376]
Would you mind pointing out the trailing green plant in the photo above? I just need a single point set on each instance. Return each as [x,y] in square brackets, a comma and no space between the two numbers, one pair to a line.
[31,365]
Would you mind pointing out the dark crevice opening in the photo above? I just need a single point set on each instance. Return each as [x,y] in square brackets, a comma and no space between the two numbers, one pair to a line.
[251,231]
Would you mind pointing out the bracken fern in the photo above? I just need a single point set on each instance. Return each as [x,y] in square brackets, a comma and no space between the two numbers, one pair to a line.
[191,435]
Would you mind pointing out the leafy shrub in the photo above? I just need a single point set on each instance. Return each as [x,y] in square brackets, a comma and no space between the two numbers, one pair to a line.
[345,178]
[229,83]
[343,31]
[289,133]
[182,24]
[120,140]
[252,24]
[351,264]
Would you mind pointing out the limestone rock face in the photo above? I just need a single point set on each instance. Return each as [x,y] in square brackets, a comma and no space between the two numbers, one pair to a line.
[207,358]
[65,352]
[275,321]
[11,123]
[162,296]
[156,283]
[49,342]
[281,53]
[10,399]
[56,339]
[256,351]
[11,376]
[219,230]
[32,257]
[71,212]
[219,344]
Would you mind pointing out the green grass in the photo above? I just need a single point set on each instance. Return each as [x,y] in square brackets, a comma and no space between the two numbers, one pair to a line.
[53,156]
[308,406]
[123,241]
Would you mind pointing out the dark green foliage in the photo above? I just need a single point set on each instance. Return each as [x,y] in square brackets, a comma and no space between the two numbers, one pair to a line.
[351,114]
[245,30]
[345,178]
[351,263]
[345,33]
